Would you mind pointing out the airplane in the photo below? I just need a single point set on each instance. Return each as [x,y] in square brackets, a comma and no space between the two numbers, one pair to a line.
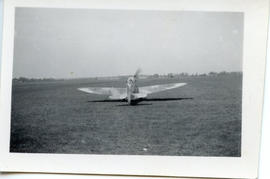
[132,93]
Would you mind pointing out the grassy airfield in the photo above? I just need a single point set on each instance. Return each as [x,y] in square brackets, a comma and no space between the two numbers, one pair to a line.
[54,117]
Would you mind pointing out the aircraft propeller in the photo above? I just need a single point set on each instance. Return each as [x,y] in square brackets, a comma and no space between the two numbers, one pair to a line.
[138,71]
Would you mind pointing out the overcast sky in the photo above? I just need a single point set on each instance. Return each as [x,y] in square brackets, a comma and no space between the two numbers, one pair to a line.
[71,43]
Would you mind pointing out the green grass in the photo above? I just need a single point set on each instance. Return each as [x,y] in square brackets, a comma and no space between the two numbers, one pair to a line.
[54,117]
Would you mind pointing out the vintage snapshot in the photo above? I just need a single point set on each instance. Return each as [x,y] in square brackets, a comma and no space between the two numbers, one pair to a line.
[138,85]
[127,82]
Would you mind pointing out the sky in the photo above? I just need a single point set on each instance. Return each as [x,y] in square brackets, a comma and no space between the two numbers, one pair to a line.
[74,43]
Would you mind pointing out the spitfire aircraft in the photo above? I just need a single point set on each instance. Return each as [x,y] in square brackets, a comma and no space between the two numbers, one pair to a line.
[132,93]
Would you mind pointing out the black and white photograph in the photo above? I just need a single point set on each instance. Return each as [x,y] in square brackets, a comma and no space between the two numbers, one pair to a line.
[138,88]
[127,82]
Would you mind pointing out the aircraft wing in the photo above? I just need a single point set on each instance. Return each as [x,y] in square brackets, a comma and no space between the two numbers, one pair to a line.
[159,88]
[113,93]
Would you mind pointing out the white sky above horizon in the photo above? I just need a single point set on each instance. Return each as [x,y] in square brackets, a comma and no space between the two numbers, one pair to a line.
[72,43]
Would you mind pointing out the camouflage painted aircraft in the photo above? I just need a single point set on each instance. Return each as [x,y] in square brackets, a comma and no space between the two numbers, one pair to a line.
[132,93]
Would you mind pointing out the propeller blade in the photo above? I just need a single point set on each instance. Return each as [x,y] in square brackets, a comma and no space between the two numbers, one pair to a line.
[138,71]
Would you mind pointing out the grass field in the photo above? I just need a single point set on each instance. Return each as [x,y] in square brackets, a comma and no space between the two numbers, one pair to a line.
[54,117]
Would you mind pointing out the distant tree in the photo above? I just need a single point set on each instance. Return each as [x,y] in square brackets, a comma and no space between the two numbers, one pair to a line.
[156,75]
[170,75]
[222,73]
[212,73]
[203,74]
[22,79]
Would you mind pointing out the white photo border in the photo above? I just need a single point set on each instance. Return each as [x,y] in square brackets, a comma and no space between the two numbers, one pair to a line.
[254,56]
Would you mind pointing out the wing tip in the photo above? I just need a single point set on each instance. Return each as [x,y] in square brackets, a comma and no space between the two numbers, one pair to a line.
[180,84]
[86,90]
[80,89]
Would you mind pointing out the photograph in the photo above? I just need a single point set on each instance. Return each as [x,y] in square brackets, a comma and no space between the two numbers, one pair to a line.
[134,82]
[150,88]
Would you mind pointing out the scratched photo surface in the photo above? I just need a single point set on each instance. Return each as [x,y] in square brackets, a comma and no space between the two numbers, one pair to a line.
[127,82]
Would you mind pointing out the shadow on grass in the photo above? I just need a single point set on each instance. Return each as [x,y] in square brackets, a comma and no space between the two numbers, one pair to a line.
[165,99]
[139,104]
[140,100]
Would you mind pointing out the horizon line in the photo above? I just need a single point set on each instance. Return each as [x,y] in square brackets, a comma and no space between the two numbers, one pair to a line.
[119,76]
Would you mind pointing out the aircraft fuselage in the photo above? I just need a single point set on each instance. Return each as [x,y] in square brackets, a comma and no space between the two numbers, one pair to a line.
[132,89]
